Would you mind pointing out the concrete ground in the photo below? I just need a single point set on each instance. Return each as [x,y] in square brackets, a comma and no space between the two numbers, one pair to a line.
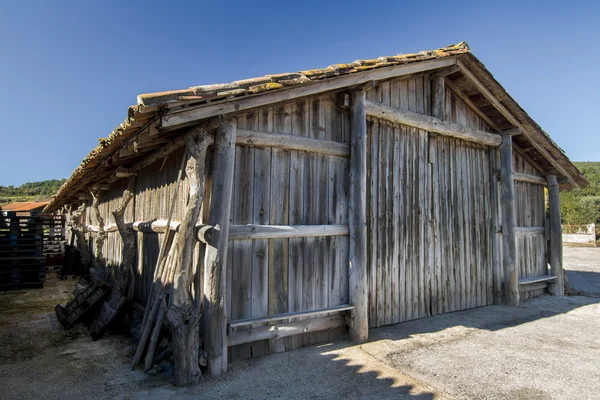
[547,348]
[583,269]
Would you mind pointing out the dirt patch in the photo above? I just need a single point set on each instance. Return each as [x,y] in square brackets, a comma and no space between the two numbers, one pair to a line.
[28,327]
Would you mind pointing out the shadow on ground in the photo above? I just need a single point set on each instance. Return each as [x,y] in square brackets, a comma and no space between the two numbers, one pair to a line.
[488,318]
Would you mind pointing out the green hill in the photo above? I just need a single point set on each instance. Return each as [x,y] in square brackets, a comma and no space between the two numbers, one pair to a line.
[582,206]
[30,191]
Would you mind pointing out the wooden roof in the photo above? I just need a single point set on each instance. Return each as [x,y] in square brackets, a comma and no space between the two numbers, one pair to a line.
[160,112]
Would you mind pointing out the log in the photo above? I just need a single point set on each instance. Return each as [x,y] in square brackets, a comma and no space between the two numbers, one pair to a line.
[182,313]
[509,239]
[538,180]
[125,274]
[158,226]
[357,221]
[556,255]
[99,260]
[292,142]
[243,232]
[215,259]
[279,331]
[431,124]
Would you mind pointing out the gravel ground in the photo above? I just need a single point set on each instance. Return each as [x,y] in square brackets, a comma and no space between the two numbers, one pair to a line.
[547,348]
[583,269]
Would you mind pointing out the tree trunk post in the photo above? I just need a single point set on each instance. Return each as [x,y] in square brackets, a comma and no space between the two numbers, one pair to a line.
[556,253]
[509,238]
[215,260]
[359,326]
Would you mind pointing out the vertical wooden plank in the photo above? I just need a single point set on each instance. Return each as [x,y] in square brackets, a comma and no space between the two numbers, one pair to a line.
[359,330]
[374,194]
[409,233]
[423,190]
[433,234]
[278,215]
[390,166]
[381,229]
[511,274]
[395,223]
[261,216]
[403,231]
[461,262]
[556,255]
[216,257]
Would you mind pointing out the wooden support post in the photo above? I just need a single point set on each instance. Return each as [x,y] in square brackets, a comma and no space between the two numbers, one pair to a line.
[556,258]
[215,260]
[359,329]
[509,238]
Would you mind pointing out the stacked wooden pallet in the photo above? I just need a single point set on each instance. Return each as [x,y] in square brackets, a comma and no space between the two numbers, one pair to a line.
[21,242]
[54,238]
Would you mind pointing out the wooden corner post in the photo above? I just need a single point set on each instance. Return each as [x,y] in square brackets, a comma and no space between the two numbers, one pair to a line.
[556,255]
[215,260]
[509,238]
[359,328]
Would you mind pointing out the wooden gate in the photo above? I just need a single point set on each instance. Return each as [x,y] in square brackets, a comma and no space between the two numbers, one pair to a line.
[430,224]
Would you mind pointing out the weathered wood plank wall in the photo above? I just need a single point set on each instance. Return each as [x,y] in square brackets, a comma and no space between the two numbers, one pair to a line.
[433,215]
[530,208]
[430,204]
[281,187]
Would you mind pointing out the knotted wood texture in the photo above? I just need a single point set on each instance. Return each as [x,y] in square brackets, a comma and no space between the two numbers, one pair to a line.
[125,275]
[181,313]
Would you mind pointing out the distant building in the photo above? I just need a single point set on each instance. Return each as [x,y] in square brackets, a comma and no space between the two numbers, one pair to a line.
[25,207]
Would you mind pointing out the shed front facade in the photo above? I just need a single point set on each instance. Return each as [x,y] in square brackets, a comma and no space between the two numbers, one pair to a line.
[350,197]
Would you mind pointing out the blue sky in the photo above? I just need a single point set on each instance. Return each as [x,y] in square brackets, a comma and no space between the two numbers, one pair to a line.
[70,69]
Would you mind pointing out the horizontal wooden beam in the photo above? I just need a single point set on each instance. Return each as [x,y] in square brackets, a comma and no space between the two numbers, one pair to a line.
[279,331]
[446,71]
[530,230]
[125,172]
[159,226]
[291,142]
[536,279]
[192,114]
[101,186]
[95,229]
[431,124]
[538,180]
[243,232]
[293,315]
[508,115]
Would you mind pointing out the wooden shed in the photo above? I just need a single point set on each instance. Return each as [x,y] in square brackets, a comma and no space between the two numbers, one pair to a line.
[287,209]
